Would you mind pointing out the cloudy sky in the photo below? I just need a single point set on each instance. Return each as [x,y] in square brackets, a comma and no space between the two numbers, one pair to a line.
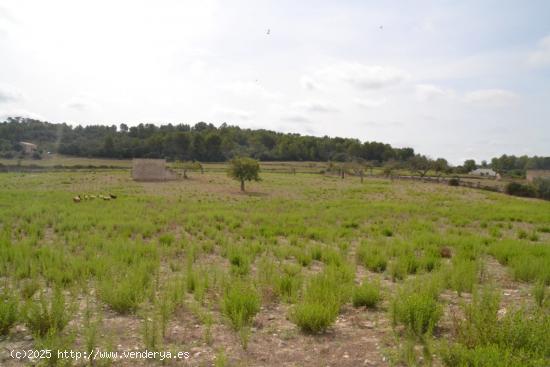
[457,79]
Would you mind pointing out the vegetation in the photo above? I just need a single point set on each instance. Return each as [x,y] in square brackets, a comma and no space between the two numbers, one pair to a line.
[201,142]
[366,295]
[244,169]
[178,261]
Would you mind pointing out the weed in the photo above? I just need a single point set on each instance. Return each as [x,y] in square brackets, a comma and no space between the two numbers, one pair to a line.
[321,301]
[47,316]
[539,292]
[240,303]
[416,309]
[8,313]
[366,295]
[372,258]
[520,338]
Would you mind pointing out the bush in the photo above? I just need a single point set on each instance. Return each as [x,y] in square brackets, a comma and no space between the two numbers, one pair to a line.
[520,338]
[372,258]
[542,186]
[240,303]
[314,317]
[124,295]
[366,295]
[288,286]
[463,276]
[455,181]
[416,309]
[517,189]
[539,292]
[8,313]
[321,301]
[44,317]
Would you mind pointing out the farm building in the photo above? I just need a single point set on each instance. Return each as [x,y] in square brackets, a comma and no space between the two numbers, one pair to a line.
[151,170]
[531,174]
[28,148]
[483,172]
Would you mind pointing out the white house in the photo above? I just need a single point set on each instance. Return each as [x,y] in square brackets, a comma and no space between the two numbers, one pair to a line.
[483,172]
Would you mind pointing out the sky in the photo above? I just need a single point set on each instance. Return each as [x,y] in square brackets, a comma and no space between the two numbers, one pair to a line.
[452,79]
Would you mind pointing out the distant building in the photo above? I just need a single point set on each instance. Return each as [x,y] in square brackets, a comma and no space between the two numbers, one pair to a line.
[151,170]
[483,172]
[28,148]
[531,174]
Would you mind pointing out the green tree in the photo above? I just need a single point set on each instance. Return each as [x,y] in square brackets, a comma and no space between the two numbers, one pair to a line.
[440,165]
[420,164]
[469,165]
[244,169]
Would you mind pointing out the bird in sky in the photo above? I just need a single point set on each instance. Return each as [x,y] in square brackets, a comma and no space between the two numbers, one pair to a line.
[268,31]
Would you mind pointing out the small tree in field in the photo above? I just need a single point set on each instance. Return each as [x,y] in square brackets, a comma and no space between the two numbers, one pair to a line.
[244,169]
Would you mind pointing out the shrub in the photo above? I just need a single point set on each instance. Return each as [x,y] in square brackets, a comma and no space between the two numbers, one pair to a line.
[47,316]
[8,313]
[463,276]
[372,258]
[455,181]
[314,317]
[124,295]
[288,286]
[366,295]
[517,339]
[240,303]
[542,186]
[517,189]
[416,309]
[539,292]
[240,262]
[321,301]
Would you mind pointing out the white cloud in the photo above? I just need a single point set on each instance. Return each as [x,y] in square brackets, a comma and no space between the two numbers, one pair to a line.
[368,76]
[315,106]
[309,83]
[428,92]
[541,56]
[491,97]
[249,89]
[369,103]
[9,94]
[296,117]
[232,114]
[81,103]
[358,75]
[17,112]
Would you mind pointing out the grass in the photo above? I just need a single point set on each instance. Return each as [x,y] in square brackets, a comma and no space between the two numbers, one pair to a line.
[415,306]
[320,304]
[240,303]
[293,243]
[366,295]
[8,313]
[48,315]
[519,338]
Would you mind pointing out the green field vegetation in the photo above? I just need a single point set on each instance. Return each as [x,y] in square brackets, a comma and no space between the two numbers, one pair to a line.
[310,247]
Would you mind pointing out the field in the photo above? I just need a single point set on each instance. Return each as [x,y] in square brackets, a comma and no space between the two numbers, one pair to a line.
[300,270]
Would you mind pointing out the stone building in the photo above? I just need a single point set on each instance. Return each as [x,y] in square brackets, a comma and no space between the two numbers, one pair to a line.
[152,170]
[28,148]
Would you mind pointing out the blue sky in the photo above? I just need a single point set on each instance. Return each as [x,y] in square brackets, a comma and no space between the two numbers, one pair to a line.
[453,79]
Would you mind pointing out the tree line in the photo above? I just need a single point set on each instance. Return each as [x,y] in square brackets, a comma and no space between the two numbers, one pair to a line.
[201,142]
[205,142]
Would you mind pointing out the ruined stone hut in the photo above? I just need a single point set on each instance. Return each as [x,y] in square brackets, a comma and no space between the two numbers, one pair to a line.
[152,170]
